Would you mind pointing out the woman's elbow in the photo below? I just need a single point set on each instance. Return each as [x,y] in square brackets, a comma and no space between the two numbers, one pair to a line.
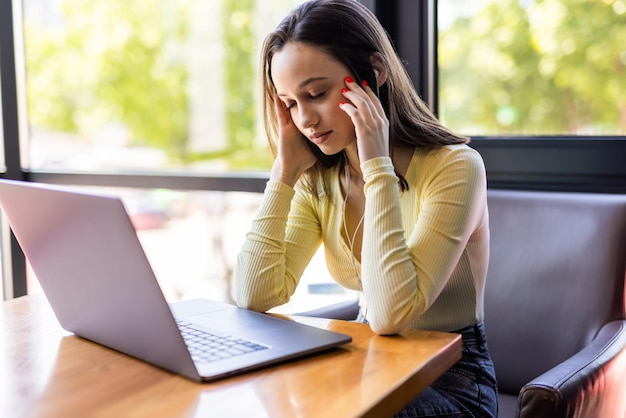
[251,304]
[255,301]
[386,326]
[242,299]
[246,298]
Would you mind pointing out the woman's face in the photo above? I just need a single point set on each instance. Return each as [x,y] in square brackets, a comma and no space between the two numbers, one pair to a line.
[309,83]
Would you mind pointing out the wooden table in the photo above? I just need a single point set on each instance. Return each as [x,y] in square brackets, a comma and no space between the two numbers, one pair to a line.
[48,372]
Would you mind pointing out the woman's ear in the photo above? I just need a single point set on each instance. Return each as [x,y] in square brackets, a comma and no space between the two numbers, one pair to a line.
[380,69]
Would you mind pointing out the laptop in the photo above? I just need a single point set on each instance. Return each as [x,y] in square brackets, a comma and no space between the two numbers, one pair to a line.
[88,259]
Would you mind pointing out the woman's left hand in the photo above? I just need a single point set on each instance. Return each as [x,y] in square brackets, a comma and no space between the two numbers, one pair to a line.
[370,122]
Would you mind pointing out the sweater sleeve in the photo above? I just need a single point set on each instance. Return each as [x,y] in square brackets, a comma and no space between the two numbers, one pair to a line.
[282,240]
[402,276]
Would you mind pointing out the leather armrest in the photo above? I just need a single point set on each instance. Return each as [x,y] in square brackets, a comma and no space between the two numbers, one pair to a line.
[346,310]
[573,387]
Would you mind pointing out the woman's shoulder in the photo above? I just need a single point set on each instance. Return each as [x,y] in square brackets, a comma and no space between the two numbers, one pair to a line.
[458,154]
[438,169]
[450,151]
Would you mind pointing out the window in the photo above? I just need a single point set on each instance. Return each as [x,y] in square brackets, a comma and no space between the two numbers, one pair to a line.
[146,85]
[533,67]
[537,85]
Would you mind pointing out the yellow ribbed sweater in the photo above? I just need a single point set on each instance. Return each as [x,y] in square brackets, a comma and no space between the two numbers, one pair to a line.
[424,254]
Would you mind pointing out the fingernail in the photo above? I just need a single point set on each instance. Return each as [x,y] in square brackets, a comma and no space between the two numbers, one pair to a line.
[349,80]
[344,90]
[342,103]
[364,83]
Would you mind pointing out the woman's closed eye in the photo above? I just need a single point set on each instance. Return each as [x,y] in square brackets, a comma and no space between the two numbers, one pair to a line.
[290,105]
[316,96]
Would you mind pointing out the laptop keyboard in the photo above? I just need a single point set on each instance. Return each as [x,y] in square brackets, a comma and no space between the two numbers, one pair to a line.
[205,347]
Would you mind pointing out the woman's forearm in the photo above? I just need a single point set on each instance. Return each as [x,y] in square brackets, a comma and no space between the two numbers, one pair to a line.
[259,278]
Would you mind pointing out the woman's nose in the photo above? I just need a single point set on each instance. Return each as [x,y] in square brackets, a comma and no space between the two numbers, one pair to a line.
[308,116]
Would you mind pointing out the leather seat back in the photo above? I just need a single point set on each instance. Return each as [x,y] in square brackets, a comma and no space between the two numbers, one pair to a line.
[556,275]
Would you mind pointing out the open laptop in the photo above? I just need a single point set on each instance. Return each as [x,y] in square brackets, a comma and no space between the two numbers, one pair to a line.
[86,255]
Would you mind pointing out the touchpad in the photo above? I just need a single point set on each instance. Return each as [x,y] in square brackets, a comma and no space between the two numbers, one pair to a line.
[240,321]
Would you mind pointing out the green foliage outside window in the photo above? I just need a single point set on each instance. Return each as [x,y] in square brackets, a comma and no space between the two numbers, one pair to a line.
[509,67]
[537,67]
[125,64]
[111,61]
[240,75]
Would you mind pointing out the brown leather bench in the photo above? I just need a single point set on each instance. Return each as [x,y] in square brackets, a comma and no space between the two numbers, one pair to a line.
[554,303]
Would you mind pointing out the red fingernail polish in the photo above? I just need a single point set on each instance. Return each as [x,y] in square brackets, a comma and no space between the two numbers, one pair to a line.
[344,90]
[342,103]
[349,80]
[364,82]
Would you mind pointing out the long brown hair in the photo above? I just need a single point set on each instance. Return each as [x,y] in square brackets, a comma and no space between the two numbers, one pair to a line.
[350,33]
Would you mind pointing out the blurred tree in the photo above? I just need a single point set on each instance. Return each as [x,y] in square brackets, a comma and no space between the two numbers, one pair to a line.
[239,43]
[583,49]
[535,67]
[486,62]
[111,61]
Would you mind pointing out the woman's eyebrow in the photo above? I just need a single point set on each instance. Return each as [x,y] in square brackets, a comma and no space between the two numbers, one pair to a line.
[310,80]
[306,83]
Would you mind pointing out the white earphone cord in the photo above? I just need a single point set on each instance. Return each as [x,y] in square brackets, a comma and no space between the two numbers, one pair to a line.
[345,226]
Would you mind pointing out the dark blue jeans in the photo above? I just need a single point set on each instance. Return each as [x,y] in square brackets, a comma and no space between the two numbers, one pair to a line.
[467,389]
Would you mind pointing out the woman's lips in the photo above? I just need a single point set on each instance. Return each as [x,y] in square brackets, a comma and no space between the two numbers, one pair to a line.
[320,137]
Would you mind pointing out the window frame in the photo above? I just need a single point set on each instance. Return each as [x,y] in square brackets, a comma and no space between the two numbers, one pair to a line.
[567,163]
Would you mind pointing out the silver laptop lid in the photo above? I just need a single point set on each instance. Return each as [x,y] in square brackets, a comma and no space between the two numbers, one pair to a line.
[83,249]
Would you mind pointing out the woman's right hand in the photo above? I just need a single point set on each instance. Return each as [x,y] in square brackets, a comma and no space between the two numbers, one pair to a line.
[293,156]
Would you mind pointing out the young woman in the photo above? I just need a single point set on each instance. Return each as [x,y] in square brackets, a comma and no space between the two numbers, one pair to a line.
[399,201]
